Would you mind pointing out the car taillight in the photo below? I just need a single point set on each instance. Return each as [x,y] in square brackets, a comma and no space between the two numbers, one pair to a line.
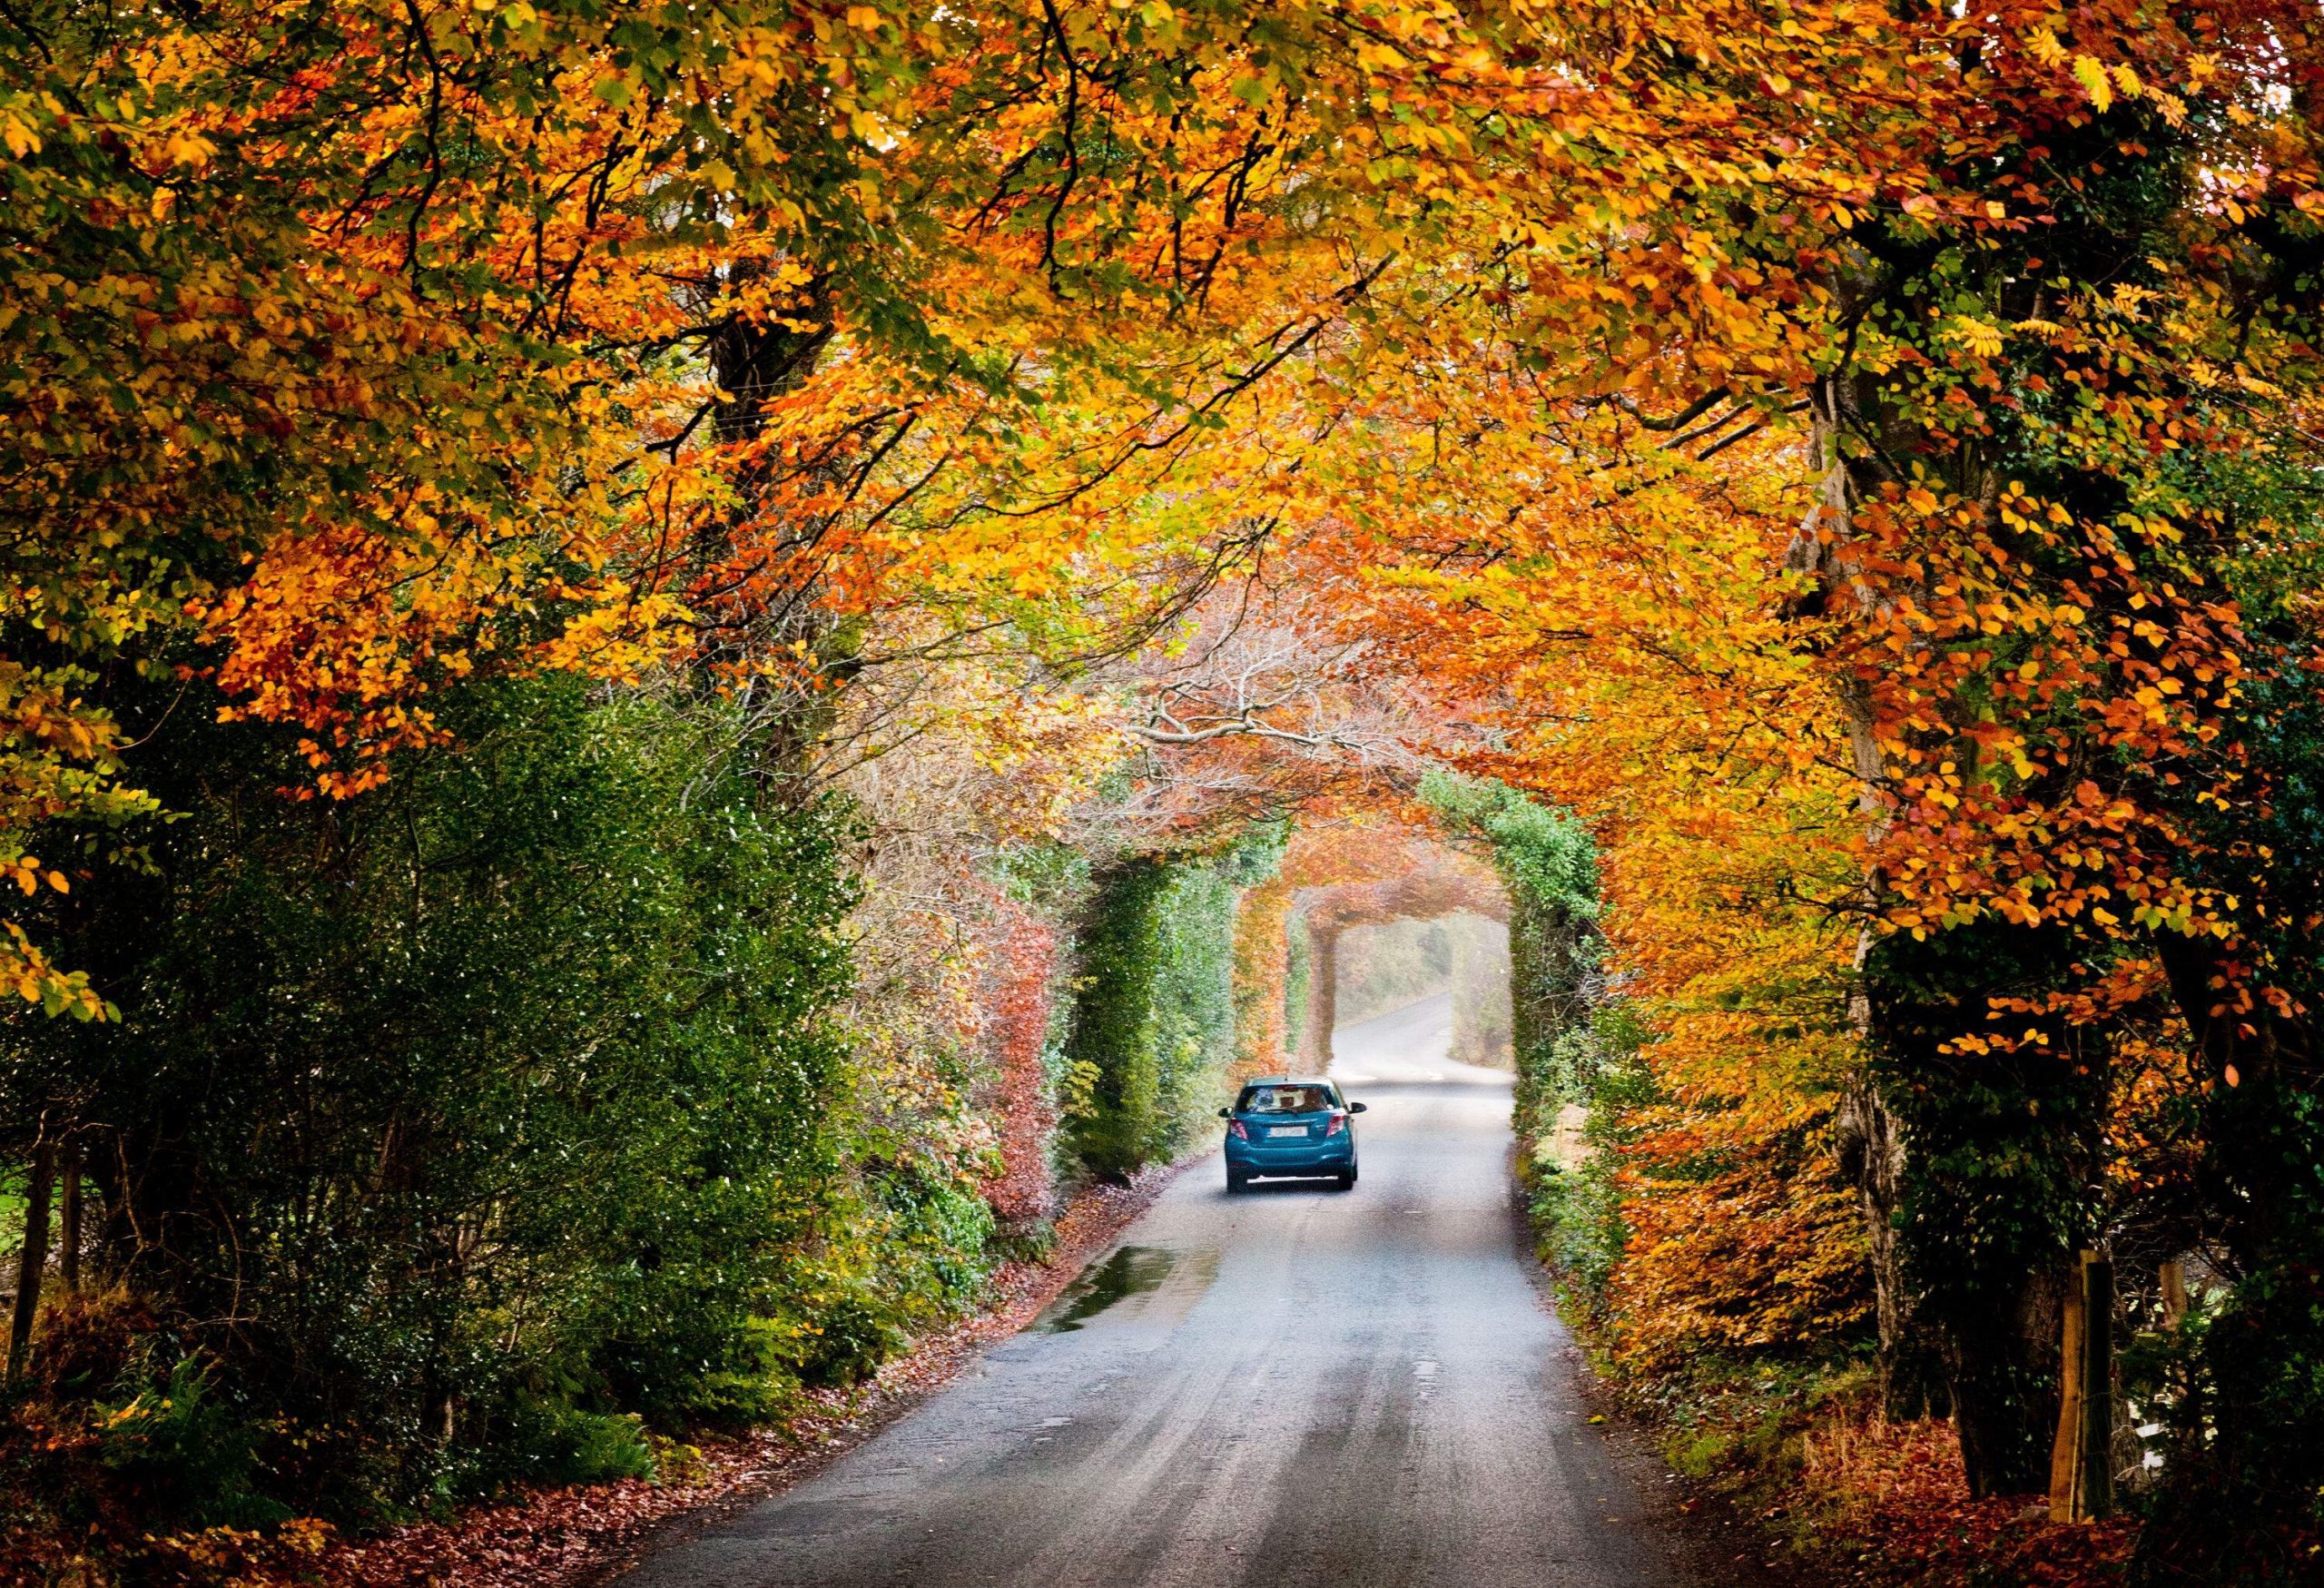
[1337,1123]
[1234,1128]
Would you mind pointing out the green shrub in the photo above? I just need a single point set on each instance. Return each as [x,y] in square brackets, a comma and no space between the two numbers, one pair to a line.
[554,1443]
[852,1335]
[510,1086]
[1154,1026]
[190,1459]
[945,1232]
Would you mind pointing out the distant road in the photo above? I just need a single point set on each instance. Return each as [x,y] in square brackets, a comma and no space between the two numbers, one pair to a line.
[1292,1388]
[1409,1044]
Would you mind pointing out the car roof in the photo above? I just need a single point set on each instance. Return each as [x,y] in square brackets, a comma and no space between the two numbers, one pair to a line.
[1288,1080]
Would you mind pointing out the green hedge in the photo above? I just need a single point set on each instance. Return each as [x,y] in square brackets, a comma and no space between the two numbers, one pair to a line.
[1153,1026]
[1548,862]
[495,1109]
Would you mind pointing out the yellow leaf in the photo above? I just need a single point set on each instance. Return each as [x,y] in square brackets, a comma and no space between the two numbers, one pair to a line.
[1980,338]
[189,149]
[2094,81]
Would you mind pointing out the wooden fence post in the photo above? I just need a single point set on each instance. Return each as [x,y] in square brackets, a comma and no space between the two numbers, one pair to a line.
[2081,1466]
[33,1258]
[2098,1384]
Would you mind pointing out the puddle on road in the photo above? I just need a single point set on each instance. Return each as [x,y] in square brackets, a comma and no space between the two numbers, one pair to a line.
[1174,1281]
[1133,1270]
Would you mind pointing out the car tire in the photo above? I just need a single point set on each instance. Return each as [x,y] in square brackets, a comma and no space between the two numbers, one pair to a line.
[1236,1180]
[1347,1178]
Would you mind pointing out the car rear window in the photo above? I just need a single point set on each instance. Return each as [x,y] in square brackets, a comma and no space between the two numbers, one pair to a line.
[1285,1100]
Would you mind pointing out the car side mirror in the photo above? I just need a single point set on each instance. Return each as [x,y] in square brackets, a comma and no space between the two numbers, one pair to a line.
[1226,1113]
[1357,1107]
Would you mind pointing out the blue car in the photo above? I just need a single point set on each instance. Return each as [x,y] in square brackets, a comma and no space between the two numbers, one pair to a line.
[1289,1127]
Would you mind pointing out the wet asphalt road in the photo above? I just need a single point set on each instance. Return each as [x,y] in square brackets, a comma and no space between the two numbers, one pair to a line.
[1296,1386]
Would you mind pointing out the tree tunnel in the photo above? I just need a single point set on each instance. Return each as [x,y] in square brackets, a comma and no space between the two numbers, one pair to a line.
[1438,883]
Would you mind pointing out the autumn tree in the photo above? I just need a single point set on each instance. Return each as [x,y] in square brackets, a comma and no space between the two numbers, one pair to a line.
[1858,455]
[2027,291]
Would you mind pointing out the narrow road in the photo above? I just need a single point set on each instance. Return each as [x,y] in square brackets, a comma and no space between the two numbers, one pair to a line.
[1409,1044]
[1296,1386]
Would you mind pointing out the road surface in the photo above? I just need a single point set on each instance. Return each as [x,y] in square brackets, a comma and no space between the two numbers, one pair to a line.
[1407,1044]
[1295,1386]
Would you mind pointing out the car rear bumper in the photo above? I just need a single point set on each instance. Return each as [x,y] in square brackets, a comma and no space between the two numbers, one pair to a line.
[1299,1158]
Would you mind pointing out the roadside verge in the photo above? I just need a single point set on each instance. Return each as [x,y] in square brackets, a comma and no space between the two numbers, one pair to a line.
[567,1537]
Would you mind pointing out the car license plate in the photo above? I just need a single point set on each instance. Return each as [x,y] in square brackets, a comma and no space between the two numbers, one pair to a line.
[1287,1131]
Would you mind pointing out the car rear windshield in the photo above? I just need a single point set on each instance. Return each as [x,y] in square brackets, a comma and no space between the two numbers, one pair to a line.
[1285,1100]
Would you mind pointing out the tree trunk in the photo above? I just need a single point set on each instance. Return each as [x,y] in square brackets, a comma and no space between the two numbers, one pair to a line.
[2081,1467]
[34,1260]
[1322,998]
[756,581]
[1868,1135]
[2238,1501]
[759,357]
[2003,1368]
[1871,1145]
[1998,1192]
[68,1236]
[1970,1175]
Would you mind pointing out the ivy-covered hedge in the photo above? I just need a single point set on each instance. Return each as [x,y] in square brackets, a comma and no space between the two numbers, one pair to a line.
[1298,974]
[1548,864]
[1153,1026]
